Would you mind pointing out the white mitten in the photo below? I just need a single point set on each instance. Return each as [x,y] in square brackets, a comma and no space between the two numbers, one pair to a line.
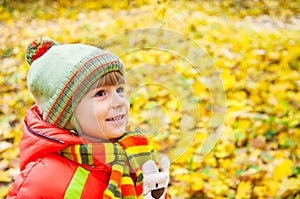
[156,181]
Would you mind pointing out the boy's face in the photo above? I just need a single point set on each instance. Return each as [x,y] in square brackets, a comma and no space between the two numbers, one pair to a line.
[103,112]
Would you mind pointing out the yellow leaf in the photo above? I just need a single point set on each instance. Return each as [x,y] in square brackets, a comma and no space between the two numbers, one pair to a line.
[4,191]
[218,187]
[289,187]
[273,186]
[197,182]
[260,191]
[4,176]
[224,150]
[210,160]
[283,169]
[244,190]
[228,78]
[161,12]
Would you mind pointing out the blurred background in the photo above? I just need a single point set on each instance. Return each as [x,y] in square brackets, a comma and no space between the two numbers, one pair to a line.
[254,45]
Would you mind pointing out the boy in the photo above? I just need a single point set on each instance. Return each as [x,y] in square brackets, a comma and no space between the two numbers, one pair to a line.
[76,142]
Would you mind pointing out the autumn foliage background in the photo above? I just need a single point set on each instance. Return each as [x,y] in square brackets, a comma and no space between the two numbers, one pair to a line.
[253,43]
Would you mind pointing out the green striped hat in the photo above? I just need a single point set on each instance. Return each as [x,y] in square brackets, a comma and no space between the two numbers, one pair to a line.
[60,75]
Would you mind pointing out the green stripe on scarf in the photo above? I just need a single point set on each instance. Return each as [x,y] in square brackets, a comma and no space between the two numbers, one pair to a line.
[84,152]
[127,154]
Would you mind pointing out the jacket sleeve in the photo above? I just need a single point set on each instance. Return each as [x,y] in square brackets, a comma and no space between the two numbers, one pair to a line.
[51,176]
[17,190]
[45,178]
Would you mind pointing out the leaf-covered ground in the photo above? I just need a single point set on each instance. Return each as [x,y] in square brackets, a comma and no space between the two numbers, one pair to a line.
[255,46]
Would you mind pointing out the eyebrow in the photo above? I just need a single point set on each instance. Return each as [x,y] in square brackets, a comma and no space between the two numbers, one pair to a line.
[103,86]
[119,82]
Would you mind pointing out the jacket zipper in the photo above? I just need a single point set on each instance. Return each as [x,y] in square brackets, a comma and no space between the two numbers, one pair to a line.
[43,136]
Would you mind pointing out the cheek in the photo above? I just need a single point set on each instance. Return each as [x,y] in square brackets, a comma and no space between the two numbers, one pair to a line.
[127,104]
[99,115]
[86,114]
[98,109]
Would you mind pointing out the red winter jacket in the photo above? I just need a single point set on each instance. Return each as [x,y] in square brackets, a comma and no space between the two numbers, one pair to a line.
[45,173]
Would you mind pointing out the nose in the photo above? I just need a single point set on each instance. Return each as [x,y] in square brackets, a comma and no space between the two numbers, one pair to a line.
[157,193]
[117,100]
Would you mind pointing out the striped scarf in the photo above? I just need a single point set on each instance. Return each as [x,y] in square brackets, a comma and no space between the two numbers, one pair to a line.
[127,154]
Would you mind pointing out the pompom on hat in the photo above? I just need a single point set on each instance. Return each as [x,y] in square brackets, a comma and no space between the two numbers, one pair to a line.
[60,75]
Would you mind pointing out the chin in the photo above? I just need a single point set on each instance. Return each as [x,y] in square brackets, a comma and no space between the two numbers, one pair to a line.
[114,133]
[119,134]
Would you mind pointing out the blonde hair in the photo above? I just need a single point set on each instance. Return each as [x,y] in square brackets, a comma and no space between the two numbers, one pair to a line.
[111,79]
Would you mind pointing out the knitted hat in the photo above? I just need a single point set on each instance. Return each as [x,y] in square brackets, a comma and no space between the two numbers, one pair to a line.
[60,75]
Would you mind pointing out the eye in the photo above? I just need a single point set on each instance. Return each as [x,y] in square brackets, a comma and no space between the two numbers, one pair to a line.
[100,93]
[120,89]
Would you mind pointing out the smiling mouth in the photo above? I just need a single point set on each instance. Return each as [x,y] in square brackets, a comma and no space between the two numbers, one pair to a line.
[120,117]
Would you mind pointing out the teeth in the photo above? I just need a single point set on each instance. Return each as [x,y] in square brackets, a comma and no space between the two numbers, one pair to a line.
[115,118]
